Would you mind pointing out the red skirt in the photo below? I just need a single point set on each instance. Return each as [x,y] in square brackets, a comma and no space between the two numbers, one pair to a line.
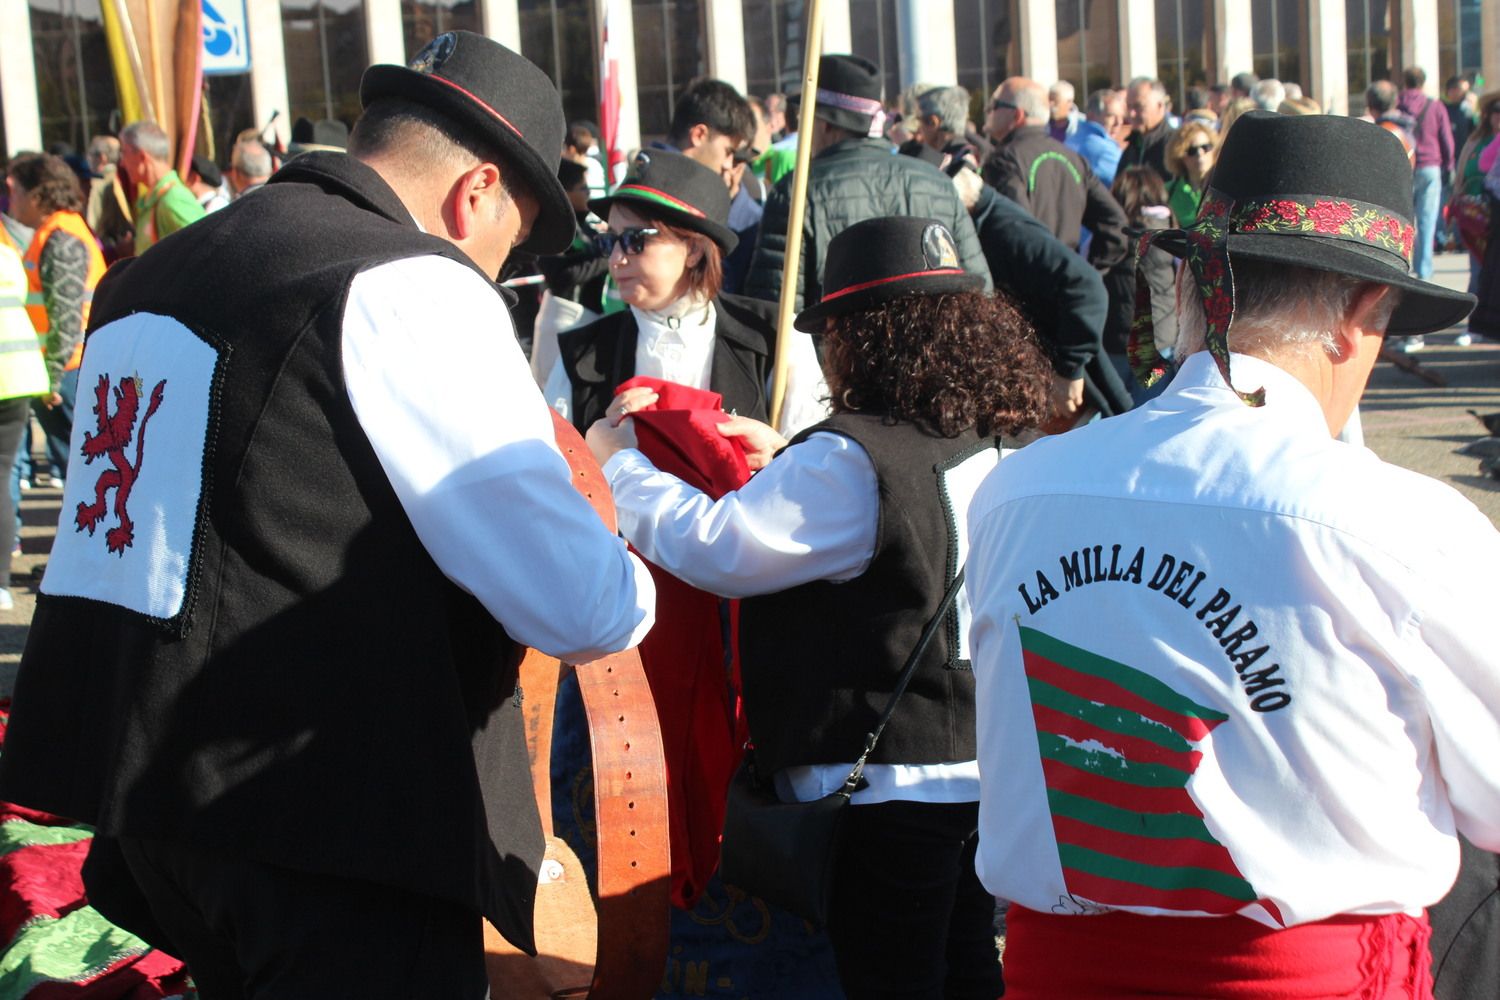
[1051,957]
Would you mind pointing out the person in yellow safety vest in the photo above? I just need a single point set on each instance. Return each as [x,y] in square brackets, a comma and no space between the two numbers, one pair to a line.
[22,377]
[63,267]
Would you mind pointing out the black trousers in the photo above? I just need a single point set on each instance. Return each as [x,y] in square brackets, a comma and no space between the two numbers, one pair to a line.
[251,930]
[13,416]
[910,918]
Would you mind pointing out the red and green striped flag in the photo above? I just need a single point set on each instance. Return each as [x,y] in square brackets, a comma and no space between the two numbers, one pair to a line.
[1118,747]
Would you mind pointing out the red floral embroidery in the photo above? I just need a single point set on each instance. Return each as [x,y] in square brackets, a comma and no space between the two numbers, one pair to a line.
[1289,211]
[1330,216]
[1216,309]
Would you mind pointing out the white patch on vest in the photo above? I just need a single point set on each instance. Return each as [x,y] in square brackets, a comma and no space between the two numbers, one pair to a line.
[959,485]
[131,504]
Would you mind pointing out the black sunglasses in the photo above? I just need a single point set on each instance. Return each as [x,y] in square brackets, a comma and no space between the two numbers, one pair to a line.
[632,241]
[999,105]
[1195,150]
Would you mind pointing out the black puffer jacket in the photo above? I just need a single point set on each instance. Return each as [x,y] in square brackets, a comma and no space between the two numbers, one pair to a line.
[852,181]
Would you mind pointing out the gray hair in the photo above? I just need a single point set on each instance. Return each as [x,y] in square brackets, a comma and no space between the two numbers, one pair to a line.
[1268,94]
[1099,101]
[1293,90]
[949,105]
[104,149]
[1157,87]
[1030,97]
[251,159]
[1276,308]
[148,137]
[1062,90]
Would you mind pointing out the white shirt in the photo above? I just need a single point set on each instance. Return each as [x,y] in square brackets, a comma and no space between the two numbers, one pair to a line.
[812,514]
[446,398]
[1328,618]
[683,352]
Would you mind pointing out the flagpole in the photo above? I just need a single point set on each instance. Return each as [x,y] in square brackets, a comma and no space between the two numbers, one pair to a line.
[791,271]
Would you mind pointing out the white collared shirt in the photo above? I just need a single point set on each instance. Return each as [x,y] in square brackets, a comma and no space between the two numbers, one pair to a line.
[470,451]
[1225,663]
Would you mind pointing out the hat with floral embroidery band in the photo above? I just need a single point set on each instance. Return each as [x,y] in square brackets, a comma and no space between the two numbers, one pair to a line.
[878,260]
[1321,192]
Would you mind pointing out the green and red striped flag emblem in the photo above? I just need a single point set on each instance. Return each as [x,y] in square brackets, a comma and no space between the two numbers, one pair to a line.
[1118,747]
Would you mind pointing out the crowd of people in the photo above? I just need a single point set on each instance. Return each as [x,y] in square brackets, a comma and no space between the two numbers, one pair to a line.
[1197,706]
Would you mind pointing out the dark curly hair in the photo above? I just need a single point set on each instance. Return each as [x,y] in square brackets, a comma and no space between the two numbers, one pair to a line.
[944,362]
[50,179]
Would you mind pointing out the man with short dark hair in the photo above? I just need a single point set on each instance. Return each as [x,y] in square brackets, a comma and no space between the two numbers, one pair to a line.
[1434,158]
[1243,84]
[711,121]
[853,177]
[289,707]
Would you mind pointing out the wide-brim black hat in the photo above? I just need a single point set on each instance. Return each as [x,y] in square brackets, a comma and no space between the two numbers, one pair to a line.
[679,191]
[1326,193]
[848,93]
[880,260]
[507,100]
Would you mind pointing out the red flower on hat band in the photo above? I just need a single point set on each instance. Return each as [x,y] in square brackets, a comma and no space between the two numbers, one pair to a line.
[1207,256]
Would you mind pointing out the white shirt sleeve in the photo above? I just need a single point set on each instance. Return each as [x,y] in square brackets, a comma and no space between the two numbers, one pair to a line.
[445,396]
[812,514]
[558,391]
[806,401]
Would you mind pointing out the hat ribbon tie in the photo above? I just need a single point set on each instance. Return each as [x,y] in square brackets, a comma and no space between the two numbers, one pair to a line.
[1207,256]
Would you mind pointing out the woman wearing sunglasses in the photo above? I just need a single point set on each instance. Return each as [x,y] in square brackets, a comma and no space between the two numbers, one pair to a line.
[842,549]
[667,239]
[1190,157]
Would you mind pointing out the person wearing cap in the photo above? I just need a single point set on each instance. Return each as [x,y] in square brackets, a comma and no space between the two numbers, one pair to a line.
[206,181]
[666,243]
[1221,670]
[289,707]
[853,177]
[163,204]
[841,549]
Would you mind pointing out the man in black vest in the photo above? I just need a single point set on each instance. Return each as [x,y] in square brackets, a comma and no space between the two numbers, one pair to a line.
[289,708]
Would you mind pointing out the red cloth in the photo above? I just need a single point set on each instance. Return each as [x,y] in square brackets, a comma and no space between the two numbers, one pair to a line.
[695,681]
[1228,958]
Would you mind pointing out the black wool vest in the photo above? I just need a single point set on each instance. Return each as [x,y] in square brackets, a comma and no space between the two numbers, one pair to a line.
[820,661]
[601,355]
[327,701]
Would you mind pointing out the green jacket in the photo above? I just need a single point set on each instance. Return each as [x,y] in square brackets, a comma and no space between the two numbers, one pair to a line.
[1183,199]
[163,210]
[852,181]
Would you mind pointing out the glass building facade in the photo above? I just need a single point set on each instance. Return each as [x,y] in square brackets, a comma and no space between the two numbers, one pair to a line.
[75,85]
[327,50]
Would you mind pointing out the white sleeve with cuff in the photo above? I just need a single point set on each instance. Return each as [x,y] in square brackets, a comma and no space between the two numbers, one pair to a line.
[447,400]
[812,514]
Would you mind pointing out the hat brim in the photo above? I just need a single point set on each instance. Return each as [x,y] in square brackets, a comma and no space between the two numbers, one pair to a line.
[1425,307]
[723,236]
[812,319]
[553,229]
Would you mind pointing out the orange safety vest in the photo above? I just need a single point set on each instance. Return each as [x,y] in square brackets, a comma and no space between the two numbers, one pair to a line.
[73,224]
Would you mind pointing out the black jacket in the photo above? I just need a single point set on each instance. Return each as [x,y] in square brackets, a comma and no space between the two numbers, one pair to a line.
[601,355]
[1062,295]
[324,699]
[1056,185]
[1161,276]
[852,181]
[1149,149]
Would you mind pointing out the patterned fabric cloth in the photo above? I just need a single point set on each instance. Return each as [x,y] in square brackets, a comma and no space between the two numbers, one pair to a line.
[65,269]
[55,944]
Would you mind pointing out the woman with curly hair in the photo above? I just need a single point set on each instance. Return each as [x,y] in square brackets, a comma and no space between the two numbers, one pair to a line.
[841,548]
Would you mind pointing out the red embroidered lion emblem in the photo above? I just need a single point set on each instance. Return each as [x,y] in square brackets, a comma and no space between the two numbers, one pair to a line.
[110,441]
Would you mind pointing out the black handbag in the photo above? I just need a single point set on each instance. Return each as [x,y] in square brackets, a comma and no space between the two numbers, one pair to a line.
[784,852]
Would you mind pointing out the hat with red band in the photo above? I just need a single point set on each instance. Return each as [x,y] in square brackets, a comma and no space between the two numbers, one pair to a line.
[677,190]
[509,102]
[879,260]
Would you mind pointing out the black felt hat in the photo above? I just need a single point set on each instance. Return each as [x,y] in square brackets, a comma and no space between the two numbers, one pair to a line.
[875,261]
[509,101]
[848,94]
[1322,192]
[326,134]
[677,190]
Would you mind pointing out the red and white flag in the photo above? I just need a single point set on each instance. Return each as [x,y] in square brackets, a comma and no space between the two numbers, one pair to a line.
[609,106]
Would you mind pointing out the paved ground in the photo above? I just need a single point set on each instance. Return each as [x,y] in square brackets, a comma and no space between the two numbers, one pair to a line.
[1406,421]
